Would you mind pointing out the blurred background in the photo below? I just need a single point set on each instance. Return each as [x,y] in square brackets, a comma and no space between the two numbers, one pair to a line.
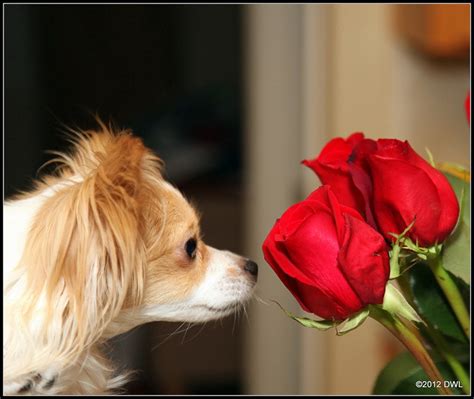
[232,98]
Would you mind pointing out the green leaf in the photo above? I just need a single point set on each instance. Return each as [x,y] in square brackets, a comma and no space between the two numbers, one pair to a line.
[353,322]
[400,375]
[431,302]
[307,322]
[456,253]
[394,373]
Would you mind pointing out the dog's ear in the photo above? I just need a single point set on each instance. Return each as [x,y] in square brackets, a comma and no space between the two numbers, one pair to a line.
[84,253]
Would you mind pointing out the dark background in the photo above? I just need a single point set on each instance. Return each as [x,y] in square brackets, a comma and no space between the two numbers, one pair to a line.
[171,73]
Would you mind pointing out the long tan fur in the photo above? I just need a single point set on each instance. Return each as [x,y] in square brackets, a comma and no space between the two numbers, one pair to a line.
[85,258]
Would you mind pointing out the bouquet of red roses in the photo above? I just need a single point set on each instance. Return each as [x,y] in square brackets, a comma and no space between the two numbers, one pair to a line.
[386,236]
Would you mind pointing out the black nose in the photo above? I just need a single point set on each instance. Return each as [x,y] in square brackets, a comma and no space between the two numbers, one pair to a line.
[251,267]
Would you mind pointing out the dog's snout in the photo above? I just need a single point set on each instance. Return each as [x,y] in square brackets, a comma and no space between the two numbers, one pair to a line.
[251,267]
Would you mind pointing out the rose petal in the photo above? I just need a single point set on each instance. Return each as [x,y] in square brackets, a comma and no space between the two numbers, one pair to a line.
[359,171]
[314,246]
[278,259]
[341,183]
[336,152]
[332,169]
[363,258]
[324,306]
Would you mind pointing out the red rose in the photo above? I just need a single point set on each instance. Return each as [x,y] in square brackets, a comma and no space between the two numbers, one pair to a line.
[407,188]
[391,185]
[467,106]
[333,262]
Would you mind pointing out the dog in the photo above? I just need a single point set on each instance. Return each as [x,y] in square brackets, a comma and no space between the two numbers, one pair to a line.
[97,248]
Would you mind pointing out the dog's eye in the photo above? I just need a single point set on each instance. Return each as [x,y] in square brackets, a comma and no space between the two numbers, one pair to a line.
[191,247]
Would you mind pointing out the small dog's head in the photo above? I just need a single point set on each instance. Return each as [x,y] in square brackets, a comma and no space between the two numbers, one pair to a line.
[114,245]
[186,279]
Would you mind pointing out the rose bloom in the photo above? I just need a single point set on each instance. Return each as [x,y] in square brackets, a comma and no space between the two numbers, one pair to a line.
[467,107]
[397,186]
[332,262]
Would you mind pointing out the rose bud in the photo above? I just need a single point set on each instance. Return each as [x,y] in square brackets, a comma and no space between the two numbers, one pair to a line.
[332,262]
[347,176]
[332,169]
[406,188]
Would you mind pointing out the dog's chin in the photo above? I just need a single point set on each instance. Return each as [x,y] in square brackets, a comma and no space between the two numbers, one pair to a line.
[185,311]
[209,312]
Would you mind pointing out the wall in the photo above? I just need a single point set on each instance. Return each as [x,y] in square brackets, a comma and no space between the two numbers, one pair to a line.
[273,122]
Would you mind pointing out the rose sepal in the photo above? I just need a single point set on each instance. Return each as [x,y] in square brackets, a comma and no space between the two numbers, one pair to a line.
[395,252]
[353,322]
[395,303]
[348,324]
[423,253]
[321,325]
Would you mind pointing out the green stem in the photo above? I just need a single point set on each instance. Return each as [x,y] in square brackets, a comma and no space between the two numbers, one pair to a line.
[451,359]
[452,293]
[412,342]
[394,265]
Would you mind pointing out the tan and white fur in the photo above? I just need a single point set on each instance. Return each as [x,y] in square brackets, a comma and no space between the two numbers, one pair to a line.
[95,250]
